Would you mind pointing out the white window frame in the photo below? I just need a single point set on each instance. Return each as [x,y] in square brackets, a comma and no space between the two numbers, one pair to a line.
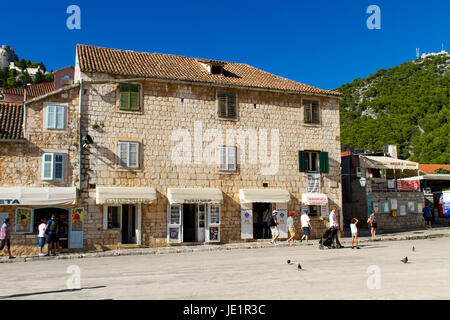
[53,165]
[31,222]
[230,151]
[52,124]
[105,217]
[128,145]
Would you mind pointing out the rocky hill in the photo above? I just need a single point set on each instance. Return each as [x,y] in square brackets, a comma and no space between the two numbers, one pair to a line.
[407,105]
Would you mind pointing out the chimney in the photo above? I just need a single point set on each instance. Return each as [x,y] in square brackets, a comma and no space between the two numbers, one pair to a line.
[392,150]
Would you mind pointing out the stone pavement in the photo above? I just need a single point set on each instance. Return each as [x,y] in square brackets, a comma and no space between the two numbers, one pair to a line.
[435,232]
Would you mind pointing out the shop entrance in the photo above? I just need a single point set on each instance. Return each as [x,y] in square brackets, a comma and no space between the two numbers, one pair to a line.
[61,215]
[261,213]
[128,223]
[194,222]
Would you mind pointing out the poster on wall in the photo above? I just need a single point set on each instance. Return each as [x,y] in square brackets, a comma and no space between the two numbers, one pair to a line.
[23,220]
[369,204]
[393,204]
[376,207]
[213,233]
[401,209]
[411,206]
[282,219]
[246,221]
[446,203]
[324,211]
[384,206]
[174,234]
[77,216]
[391,184]
[313,183]
[408,185]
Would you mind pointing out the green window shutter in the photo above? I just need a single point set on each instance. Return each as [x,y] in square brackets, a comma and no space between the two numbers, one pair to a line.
[129,96]
[232,106]
[301,161]
[134,101]
[324,162]
[308,112]
[315,112]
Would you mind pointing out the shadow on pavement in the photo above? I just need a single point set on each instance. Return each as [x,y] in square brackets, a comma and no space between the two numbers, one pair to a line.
[19,295]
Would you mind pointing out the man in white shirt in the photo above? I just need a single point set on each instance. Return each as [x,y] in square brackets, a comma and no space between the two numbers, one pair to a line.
[306,226]
[41,236]
[335,226]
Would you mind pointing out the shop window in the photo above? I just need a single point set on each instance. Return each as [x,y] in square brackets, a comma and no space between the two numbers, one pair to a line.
[313,161]
[214,217]
[227,158]
[312,111]
[227,105]
[24,220]
[374,173]
[53,166]
[114,217]
[55,117]
[129,96]
[175,214]
[314,211]
[129,155]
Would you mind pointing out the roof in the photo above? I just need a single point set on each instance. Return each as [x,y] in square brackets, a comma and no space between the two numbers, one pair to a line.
[35,90]
[430,168]
[439,177]
[388,163]
[172,67]
[11,120]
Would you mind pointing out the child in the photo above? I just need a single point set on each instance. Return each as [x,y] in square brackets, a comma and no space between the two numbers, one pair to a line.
[354,230]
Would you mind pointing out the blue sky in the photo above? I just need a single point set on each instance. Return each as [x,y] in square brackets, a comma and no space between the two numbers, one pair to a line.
[324,43]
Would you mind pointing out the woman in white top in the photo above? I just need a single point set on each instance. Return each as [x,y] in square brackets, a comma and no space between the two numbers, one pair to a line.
[354,230]
[41,236]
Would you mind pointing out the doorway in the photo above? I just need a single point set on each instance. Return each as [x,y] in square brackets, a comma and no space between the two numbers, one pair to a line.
[261,213]
[128,224]
[194,220]
[61,216]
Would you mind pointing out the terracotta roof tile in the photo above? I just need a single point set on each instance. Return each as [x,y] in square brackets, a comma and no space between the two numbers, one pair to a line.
[430,168]
[35,90]
[11,119]
[172,67]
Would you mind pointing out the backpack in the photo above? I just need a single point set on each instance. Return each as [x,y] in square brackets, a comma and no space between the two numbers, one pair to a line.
[53,226]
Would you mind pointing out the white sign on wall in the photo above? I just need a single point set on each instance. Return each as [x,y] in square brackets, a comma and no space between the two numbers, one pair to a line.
[313,182]
[324,211]
[246,221]
[282,219]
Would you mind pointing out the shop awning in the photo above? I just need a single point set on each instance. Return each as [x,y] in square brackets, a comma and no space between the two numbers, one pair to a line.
[314,199]
[33,196]
[388,163]
[264,195]
[116,195]
[194,195]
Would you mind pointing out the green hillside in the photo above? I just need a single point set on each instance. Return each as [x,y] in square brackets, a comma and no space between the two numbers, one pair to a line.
[407,105]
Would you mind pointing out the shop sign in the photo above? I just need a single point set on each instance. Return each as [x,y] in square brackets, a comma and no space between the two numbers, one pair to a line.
[246,222]
[313,183]
[77,215]
[9,201]
[408,185]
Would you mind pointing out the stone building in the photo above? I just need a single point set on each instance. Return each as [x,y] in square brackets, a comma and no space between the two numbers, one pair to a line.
[181,150]
[387,185]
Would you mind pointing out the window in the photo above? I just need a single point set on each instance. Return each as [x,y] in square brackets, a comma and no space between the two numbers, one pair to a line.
[130,95]
[129,155]
[113,217]
[312,111]
[53,166]
[214,217]
[314,161]
[227,105]
[227,158]
[56,117]
[216,69]
[314,211]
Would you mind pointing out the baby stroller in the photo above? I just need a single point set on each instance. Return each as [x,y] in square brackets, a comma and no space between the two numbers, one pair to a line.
[327,239]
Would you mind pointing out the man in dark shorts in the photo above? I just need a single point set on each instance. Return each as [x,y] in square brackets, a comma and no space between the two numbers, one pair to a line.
[5,237]
[52,230]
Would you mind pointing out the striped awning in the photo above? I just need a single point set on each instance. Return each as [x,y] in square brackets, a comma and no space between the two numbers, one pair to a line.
[124,195]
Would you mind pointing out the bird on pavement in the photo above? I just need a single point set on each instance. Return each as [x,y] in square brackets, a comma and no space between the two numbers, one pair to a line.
[299,267]
[289,262]
[414,249]
[405,260]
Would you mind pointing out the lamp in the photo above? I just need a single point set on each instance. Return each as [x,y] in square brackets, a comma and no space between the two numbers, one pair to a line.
[87,140]
[362,182]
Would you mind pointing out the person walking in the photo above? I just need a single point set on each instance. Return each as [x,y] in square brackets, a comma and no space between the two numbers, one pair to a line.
[335,227]
[306,226]
[354,230]
[373,224]
[41,236]
[51,230]
[427,215]
[274,227]
[5,237]
[290,228]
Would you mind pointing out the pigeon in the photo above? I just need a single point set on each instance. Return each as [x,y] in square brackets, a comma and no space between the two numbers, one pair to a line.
[414,249]
[405,260]
[289,262]
[299,267]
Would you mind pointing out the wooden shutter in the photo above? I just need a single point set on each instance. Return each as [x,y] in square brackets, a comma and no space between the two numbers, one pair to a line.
[315,112]
[47,166]
[308,112]
[301,161]
[124,97]
[231,108]
[222,100]
[324,162]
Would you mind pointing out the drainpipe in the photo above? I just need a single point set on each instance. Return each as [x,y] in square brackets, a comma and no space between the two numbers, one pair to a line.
[25,111]
[80,142]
